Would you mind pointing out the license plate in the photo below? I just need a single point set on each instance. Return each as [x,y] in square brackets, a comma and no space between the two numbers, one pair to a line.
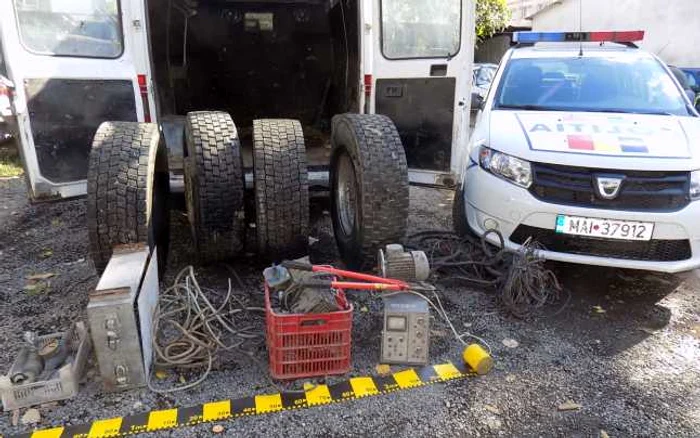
[605,228]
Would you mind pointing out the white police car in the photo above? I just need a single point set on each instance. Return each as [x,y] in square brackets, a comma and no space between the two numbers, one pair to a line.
[588,145]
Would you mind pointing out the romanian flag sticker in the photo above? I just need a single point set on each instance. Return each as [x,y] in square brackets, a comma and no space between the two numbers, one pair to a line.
[624,145]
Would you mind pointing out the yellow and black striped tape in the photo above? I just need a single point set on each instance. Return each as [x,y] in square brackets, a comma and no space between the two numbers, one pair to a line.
[315,395]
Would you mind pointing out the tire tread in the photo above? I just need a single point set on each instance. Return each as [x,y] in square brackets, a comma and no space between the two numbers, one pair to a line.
[281,188]
[382,170]
[120,164]
[214,184]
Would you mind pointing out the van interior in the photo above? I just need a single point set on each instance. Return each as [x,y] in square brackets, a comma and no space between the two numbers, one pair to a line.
[297,59]
[294,59]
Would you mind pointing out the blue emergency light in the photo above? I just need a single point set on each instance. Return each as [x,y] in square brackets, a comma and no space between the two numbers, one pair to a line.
[560,37]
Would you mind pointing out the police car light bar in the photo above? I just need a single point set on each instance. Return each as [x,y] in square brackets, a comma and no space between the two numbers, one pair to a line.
[560,37]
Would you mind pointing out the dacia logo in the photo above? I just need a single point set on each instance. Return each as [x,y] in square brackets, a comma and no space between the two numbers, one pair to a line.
[608,186]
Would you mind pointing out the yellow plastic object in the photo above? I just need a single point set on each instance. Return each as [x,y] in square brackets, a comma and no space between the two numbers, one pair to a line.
[478,359]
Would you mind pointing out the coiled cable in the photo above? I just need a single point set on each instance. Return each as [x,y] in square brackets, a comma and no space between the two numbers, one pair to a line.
[521,280]
[189,330]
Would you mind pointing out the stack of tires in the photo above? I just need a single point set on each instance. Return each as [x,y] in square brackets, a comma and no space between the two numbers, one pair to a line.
[128,188]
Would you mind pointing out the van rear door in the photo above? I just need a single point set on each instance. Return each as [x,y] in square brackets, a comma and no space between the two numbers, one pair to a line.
[418,72]
[74,64]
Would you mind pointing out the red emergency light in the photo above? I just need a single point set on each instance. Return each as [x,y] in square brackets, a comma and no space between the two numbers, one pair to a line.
[627,36]
[143,90]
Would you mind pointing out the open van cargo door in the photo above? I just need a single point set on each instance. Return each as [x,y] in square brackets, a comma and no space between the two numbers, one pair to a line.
[74,64]
[418,73]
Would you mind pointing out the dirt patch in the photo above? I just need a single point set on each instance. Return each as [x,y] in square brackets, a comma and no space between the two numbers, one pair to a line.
[625,348]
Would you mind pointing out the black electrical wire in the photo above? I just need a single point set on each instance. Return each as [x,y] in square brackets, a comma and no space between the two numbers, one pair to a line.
[520,279]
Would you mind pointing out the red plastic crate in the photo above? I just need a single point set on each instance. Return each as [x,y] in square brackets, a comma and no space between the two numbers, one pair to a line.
[308,345]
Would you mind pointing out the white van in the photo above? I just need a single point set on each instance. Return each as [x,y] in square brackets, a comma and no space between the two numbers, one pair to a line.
[233,79]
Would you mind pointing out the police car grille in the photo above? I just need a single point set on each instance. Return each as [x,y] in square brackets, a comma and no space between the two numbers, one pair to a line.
[640,191]
[652,250]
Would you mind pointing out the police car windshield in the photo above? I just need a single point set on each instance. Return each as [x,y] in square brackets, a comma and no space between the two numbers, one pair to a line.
[606,84]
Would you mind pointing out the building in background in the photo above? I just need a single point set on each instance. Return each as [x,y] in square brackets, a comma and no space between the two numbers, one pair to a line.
[491,50]
[522,10]
[672,27]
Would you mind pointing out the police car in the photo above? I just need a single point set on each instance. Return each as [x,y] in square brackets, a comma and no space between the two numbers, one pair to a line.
[588,145]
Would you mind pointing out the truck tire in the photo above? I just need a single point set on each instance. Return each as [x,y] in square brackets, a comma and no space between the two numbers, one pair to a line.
[369,187]
[127,190]
[214,185]
[281,189]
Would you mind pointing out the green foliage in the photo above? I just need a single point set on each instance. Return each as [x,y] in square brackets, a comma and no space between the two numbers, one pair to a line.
[10,164]
[492,16]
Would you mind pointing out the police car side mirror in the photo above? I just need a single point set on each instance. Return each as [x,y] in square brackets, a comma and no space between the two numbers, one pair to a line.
[477,101]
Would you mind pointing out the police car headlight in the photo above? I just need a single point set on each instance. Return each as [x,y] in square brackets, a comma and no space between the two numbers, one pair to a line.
[505,166]
[695,185]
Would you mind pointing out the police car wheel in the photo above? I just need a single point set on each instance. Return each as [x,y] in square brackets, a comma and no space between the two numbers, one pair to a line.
[127,190]
[369,187]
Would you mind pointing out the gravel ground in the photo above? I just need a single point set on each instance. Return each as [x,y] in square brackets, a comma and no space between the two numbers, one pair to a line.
[633,368]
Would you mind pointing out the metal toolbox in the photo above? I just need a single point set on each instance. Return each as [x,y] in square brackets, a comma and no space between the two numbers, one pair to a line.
[120,312]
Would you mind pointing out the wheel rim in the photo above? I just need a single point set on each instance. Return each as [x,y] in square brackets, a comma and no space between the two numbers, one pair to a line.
[346,194]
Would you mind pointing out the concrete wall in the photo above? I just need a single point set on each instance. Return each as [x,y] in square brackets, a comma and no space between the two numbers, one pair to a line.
[672,26]
[492,49]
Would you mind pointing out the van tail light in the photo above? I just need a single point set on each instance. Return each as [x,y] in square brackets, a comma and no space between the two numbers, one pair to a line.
[6,88]
[143,90]
[5,95]
[368,85]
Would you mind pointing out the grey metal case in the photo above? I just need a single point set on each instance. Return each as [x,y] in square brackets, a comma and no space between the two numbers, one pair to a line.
[120,312]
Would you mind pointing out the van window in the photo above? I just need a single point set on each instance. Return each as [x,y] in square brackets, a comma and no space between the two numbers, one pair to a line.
[420,28]
[80,28]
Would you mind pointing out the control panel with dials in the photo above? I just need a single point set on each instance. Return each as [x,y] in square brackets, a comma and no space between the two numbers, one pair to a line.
[406,333]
